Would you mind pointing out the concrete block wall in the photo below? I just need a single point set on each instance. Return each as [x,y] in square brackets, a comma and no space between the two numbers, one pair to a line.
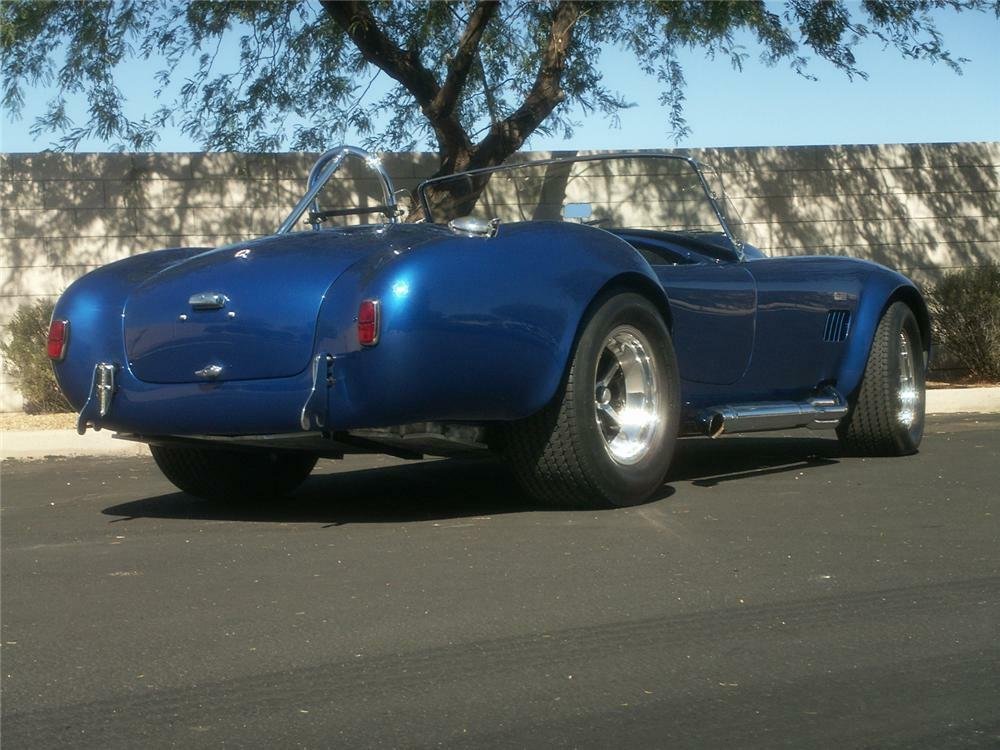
[921,208]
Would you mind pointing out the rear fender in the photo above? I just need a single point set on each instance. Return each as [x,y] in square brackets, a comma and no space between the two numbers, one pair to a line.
[93,305]
[472,329]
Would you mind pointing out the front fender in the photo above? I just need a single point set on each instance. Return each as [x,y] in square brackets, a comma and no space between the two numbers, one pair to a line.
[472,329]
[881,289]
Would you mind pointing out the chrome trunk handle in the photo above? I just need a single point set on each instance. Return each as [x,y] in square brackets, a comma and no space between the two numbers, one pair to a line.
[208,301]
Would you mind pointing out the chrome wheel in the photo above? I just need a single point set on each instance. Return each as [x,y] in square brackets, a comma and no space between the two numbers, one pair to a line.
[887,416]
[608,436]
[626,398]
[909,394]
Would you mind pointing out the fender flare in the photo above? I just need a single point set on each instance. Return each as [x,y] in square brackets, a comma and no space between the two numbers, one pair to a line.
[880,290]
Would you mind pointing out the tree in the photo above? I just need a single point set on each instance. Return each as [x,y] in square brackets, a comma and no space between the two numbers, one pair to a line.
[472,79]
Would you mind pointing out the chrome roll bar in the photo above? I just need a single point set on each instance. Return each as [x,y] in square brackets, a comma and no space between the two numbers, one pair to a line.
[321,173]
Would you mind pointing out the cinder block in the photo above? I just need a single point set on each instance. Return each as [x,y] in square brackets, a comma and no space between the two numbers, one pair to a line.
[100,166]
[64,195]
[103,222]
[200,221]
[163,221]
[40,281]
[140,243]
[88,251]
[162,166]
[400,166]
[46,165]
[293,165]
[25,194]
[215,193]
[24,251]
[951,180]
[33,223]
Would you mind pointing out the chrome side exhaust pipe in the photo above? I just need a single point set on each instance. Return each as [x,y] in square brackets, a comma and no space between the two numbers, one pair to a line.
[821,412]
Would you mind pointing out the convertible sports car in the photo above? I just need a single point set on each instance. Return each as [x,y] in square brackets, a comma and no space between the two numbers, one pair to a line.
[512,312]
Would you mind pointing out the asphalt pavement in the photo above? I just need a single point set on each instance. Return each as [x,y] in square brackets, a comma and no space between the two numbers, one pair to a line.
[775,594]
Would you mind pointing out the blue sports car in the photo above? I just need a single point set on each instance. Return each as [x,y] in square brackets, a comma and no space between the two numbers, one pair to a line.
[574,315]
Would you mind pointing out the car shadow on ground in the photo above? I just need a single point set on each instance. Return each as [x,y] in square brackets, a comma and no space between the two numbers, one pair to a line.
[470,487]
[705,462]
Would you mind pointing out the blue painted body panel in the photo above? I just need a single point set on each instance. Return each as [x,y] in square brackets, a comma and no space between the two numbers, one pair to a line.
[472,329]
[273,288]
[481,328]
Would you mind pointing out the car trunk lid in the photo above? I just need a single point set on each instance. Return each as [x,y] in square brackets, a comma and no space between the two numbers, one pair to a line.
[240,312]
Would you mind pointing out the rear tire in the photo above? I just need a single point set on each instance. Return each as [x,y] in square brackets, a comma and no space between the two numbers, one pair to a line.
[608,437]
[887,418]
[233,475]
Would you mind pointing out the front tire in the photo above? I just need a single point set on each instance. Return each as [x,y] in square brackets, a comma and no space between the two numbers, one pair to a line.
[233,475]
[887,418]
[608,437]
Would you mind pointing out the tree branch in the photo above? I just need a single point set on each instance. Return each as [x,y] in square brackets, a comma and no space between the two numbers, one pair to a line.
[357,21]
[506,136]
[466,54]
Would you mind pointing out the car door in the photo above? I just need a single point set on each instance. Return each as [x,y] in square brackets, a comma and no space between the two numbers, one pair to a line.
[713,303]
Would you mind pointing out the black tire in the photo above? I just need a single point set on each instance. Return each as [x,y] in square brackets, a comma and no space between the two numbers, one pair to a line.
[233,475]
[887,417]
[562,455]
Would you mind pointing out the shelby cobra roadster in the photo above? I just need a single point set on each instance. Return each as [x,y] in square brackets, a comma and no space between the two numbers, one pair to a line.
[574,315]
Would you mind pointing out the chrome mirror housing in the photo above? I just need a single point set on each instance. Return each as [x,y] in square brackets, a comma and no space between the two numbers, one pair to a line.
[472,227]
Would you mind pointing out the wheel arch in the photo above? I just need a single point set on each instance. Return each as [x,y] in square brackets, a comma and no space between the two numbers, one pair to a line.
[880,291]
[630,282]
[622,283]
[916,303]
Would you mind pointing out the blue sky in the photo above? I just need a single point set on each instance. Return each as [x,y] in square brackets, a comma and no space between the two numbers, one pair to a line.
[903,101]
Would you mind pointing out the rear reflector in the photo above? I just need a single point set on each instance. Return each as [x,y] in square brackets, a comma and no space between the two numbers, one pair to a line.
[58,339]
[368,322]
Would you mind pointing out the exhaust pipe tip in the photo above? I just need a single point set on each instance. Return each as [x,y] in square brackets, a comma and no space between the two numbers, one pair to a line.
[716,425]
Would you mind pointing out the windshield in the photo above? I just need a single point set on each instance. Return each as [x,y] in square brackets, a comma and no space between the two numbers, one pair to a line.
[639,191]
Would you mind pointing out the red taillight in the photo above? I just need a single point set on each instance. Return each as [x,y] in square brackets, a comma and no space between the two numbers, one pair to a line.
[368,322]
[58,339]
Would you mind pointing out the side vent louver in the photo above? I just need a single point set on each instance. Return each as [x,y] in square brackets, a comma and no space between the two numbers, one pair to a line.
[838,325]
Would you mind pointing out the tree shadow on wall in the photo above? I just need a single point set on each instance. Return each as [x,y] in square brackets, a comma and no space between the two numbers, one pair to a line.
[71,213]
[919,208]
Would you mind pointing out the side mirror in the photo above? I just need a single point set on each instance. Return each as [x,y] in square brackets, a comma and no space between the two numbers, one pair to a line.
[578,212]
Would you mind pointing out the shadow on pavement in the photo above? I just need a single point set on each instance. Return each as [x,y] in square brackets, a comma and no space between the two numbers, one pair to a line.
[705,462]
[464,488]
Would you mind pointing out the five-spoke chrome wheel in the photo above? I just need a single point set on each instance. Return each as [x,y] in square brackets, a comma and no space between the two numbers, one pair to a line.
[607,437]
[626,398]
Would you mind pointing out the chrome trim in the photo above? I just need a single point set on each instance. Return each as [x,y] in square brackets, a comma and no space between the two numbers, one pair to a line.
[321,173]
[696,165]
[208,301]
[626,396]
[312,415]
[821,412]
[65,343]
[102,392]
[909,395]
[838,326]
[210,372]
[378,322]
[473,227]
